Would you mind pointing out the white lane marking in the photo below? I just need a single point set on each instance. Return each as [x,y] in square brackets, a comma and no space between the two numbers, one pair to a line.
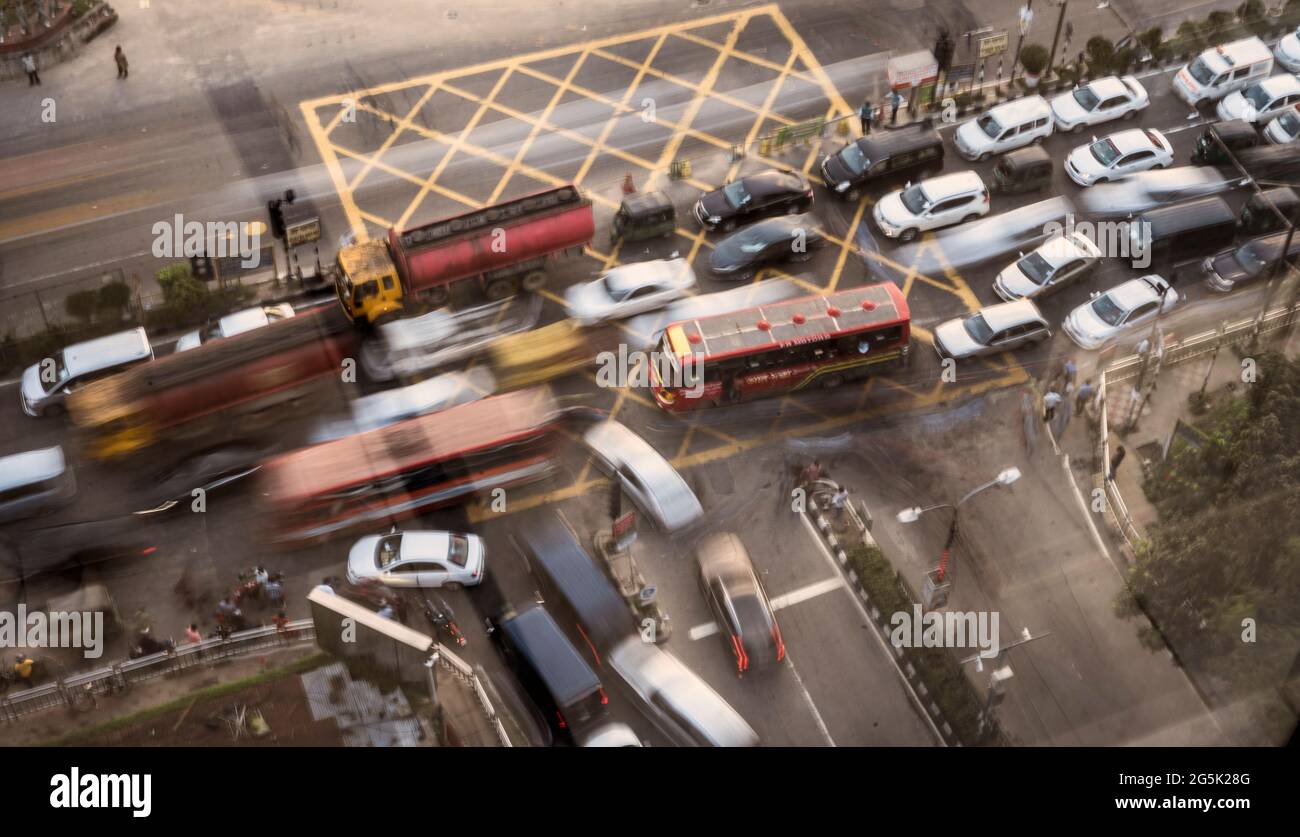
[812,707]
[794,597]
[871,629]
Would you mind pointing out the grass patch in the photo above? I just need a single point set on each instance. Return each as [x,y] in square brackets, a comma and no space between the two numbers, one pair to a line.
[938,670]
[86,736]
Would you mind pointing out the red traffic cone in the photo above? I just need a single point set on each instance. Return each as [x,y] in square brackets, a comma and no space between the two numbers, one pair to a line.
[628,186]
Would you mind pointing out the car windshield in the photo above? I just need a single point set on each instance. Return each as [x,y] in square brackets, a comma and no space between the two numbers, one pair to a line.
[390,547]
[1256,96]
[60,372]
[458,553]
[1105,152]
[853,157]
[617,291]
[1035,268]
[747,242]
[1106,309]
[989,126]
[1086,98]
[978,329]
[1253,258]
[735,194]
[1201,71]
[1290,123]
[914,199]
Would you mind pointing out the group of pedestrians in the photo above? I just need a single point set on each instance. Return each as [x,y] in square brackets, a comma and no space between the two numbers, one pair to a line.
[34,74]
[867,114]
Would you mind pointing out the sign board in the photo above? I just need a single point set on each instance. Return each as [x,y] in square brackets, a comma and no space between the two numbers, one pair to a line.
[303,231]
[961,72]
[912,69]
[624,531]
[995,44]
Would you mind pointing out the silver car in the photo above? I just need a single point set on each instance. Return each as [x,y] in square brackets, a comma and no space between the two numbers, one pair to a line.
[236,323]
[993,329]
[1052,266]
[631,289]
[654,486]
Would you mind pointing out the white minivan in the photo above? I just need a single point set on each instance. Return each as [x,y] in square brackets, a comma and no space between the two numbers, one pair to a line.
[1004,127]
[34,482]
[46,385]
[1223,69]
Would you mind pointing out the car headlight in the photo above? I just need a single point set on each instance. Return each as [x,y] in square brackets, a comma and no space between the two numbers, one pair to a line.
[713,219]
[842,186]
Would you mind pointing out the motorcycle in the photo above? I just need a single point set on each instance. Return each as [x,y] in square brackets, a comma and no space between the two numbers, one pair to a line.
[145,645]
[9,677]
[442,618]
[250,588]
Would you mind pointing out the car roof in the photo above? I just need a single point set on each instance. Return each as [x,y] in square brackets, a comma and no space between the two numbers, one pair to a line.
[536,636]
[31,466]
[1198,212]
[1134,139]
[1104,88]
[1134,292]
[1018,110]
[1244,51]
[425,545]
[242,321]
[103,352]
[646,203]
[1007,314]
[636,274]
[773,182]
[627,447]
[938,188]
[1280,84]
[723,552]
[887,143]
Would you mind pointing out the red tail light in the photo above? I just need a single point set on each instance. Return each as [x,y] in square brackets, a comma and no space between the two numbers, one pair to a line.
[560,717]
[780,644]
[149,550]
[604,698]
[742,659]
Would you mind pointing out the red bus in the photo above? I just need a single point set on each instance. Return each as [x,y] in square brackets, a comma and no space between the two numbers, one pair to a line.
[368,480]
[786,346]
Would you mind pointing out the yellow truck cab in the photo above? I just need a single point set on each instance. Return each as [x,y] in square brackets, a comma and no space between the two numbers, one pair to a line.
[367,283]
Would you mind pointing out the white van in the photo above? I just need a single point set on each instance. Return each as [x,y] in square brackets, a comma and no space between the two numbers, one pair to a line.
[34,482]
[1220,70]
[679,703]
[47,384]
[1004,127]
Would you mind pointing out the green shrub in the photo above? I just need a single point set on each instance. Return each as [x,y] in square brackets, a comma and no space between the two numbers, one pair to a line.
[114,297]
[1033,58]
[179,287]
[82,305]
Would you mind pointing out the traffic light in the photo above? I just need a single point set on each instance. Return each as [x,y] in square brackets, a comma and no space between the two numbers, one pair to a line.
[943,51]
[277,218]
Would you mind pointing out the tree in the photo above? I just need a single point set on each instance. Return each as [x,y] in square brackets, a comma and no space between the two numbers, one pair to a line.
[1033,58]
[1101,52]
[1226,547]
[179,287]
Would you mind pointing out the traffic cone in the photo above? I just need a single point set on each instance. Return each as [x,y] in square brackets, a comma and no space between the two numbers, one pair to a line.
[628,186]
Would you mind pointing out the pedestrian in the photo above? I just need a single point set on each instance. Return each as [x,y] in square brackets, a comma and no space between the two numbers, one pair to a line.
[864,115]
[261,576]
[1114,462]
[281,622]
[1085,394]
[274,591]
[1071,370]
[1143,347]
[838,502]
[192,634]
[120,57]
[895,101]
[811,474]
[29,65]
[1050,402]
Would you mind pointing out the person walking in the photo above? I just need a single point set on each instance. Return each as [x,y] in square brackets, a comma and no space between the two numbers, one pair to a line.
[1071,371]
[120,57]
[192,633]
[1085,394]
[895,102]
[1050,402]
[838,502]
[29,66]
[1114,462]
[864,116]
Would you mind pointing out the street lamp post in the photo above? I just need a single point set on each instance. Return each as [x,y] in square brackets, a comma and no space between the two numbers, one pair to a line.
[1056,39]
[912,514]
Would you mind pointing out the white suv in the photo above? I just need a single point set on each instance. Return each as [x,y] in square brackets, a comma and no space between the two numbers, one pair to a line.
[930,204]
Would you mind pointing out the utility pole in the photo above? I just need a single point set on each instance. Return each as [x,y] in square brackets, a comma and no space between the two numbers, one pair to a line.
[1056,39]
[1026,18]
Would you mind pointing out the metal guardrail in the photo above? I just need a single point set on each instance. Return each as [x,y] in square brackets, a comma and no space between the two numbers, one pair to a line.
[463,670]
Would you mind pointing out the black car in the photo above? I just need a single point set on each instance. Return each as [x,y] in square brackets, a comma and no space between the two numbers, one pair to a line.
[792,237]
[208,470]
[760,195]
[75,546]
[1241,265]
[883,159]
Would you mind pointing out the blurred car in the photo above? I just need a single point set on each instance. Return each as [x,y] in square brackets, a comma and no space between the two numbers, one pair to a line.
[236,323]
[383,408]
[757,196]
[1284,129]
[739,603]
[1287,51]
[738,255]
[992,329]
[1108,314]
[35,482]
[653,484]
[1119,155]
[1242,265]
[1099,101]
[1261,101]
[931,204]
[1150,189]
[1052,266]
[77,545]
[989,237]
[630,289]
[613,734]
[206,471]
[418,559]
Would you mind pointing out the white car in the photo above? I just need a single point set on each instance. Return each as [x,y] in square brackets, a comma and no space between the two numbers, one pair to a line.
[1119,155]
[418,559]
[1099,101]
[630,289]
[1262,101]
[1284,129]
[930,204]
[992,329]
[1151,189]
[1287,52]
[236,323]
[1103,317]
[1052,266]
[652,483]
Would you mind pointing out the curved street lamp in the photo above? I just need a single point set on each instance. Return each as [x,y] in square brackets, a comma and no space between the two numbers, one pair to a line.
[910,515]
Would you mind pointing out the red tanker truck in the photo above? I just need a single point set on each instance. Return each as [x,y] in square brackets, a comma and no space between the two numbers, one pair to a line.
[503,248]
[234,388]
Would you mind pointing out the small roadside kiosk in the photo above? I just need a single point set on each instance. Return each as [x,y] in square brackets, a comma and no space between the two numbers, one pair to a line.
[913,77]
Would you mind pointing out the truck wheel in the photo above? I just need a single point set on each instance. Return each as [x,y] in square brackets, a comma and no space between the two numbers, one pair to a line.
[535,281]
[500,289]
[436,297]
